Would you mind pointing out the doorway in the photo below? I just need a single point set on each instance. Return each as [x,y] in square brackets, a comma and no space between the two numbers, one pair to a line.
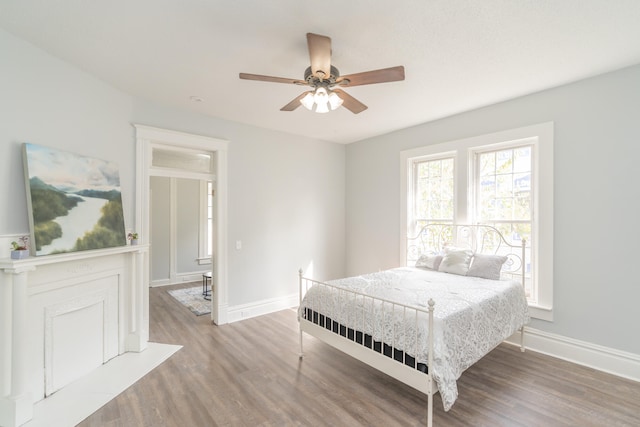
[182,157]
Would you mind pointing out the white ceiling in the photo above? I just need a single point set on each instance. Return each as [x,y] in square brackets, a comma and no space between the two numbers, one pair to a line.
[458,54]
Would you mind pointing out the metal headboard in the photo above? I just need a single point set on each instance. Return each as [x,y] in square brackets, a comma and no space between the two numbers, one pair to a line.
[480,238]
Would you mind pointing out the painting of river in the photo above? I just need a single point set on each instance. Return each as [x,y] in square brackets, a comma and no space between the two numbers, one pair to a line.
[74,201]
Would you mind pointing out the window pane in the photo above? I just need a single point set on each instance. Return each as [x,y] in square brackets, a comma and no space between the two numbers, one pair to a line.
[434,190]
[504,161]
[522,159]
[209,237]
[488,164]
[209,218]
[182,160]
[504,193]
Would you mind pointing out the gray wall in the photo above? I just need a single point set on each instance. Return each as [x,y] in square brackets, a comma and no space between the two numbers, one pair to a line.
[188,226]
[596,199]
[160,238]
[286,193]
[44,101]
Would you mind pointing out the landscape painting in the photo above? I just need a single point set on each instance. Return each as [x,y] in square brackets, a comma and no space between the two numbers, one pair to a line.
[75,203]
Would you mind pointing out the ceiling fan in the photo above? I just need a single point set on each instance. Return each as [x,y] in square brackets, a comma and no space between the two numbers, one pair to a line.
[323,77]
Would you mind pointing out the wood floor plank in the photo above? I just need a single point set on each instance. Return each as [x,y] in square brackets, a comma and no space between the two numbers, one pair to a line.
[248,374]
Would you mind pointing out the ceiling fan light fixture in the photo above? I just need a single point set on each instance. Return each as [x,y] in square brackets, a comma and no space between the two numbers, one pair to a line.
[321,100]
[322,107]
[307,101]
[334,100]
[321,96]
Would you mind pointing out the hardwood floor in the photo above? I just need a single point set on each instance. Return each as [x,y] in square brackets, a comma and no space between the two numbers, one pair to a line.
[248,374]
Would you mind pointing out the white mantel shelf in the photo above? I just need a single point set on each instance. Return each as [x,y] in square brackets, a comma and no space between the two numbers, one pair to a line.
[35,261]
[96,300]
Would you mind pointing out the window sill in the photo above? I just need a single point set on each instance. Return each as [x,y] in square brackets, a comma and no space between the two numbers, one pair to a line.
[204,261]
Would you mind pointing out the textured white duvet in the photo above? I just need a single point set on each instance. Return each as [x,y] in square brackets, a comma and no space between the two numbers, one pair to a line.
[472,316]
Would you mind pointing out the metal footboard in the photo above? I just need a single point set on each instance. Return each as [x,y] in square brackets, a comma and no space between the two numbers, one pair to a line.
[355,332]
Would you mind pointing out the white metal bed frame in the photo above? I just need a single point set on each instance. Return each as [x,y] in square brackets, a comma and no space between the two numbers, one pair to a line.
[479,238]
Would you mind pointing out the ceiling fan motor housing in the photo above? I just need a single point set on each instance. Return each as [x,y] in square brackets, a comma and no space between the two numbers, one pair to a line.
[326,81]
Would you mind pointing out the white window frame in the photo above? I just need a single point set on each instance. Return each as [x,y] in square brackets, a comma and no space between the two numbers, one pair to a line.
[411,179]
[541,137]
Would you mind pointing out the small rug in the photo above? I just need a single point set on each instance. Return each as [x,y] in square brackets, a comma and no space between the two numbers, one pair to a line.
[192,299]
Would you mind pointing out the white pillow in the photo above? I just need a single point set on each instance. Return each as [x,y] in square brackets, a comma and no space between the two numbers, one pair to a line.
[487,266]
[456,262]
[430,262]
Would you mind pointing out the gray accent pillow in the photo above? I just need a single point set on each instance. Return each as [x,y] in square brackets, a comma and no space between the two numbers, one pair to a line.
[487,266]
[456,262]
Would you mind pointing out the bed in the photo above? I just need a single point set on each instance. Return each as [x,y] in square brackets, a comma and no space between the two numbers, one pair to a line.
[460,295]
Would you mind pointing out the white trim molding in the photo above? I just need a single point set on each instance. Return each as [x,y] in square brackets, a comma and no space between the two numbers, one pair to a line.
[605,359]
[259,308]
[195,277]
[147,137]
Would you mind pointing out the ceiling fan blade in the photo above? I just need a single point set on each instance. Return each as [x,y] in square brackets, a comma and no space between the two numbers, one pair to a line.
[320,55]
[350,103]
[258,77]
[384,75]
[295,103]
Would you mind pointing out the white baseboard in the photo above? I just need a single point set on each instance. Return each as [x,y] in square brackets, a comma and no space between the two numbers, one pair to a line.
[616,362]
[182,278]
[258,308]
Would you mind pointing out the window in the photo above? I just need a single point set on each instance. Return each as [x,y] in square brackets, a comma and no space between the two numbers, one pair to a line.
[491,179]
[434,190]
[501,184]
[209,231]
[181,159]
[206,222]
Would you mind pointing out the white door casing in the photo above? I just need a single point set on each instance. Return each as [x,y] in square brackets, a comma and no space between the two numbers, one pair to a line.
[146,139]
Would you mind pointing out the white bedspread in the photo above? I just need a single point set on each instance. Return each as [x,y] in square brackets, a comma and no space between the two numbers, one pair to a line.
[471,317]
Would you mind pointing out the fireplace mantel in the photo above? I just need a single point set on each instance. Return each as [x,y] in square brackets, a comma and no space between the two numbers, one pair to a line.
[50,305]
[9,264]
